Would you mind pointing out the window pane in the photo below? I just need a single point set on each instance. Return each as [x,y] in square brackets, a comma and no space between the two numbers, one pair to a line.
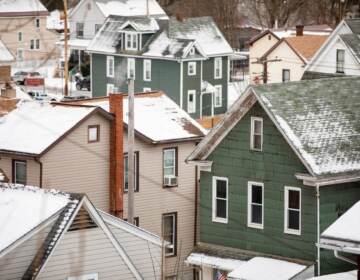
[221,188]
[257,142]
[93,134]
[168,231]
[256,214]
[221,208]
[294,199]
[169,171]
[20,175]
[169,158]
[257,127]
[256,194]
[294,219]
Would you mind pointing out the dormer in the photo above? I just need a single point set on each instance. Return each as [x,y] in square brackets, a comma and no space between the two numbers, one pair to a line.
[193,50]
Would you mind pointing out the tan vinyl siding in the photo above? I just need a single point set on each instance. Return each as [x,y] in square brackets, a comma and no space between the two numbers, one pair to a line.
[145,255]
[84,252]
[152,200]
[74,165]
[14,264]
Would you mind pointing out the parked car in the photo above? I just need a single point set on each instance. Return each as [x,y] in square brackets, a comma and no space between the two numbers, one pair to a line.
[19,77]
[83,83]
[41,96]
[70,98]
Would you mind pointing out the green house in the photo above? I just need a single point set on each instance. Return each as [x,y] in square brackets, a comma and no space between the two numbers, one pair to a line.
[278,169]
[188,59]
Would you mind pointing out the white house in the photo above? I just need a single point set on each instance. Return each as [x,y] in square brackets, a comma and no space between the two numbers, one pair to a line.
[340,54]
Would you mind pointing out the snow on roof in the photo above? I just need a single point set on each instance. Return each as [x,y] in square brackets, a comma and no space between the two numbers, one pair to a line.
[346,227]
[33,126]
[158,118]
[22,95]
[24,208]
[5,54]
[54,21]
[201,259]
[321,30]
[350,275]
[3,177]
[19,6]
[129,7]
[275,270]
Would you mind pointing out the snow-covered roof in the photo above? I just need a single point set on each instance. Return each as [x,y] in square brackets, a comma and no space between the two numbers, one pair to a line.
[21,6]
[24,208]
[5,54]
[158,118]
[32,127]
[349,275]
[345,228]
[54,21]
[200,259]
[275,269]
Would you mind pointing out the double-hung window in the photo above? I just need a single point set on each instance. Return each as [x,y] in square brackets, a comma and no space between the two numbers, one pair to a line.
[20,36]
[34,44]
[131,68]
[255,205]
[340,61]
[110,66]
[131,41]
[292,215]
[286,75]
[191,68]
[135,170]
[170,233]
[170,167]
[218,96]
[218,67]
[80,30]
[220,199]
[191,101]
[147,70]
[19,172]
[37,23]
[256,135]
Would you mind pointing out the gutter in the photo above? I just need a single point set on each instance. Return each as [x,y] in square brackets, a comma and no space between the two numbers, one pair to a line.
[318,228]
[336,254]
[196,205]
[41,171]
[312,181]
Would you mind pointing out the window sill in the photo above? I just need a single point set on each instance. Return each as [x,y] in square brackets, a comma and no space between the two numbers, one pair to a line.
[170,256]
[171,186]
[292,232]
[220,220]
[256,226]
[255,150]
[126,191]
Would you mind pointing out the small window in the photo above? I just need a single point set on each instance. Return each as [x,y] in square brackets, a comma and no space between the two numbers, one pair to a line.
[37,44]
[191,68]
[340,61]
[256,205]
[218,95]
[191,102]
[170,167]
[147,70]
[34,44]
[110,66]
[146,89]
[80,30]
[170,233]
[20,36]
[37,23]
[256,140]
[285,75]
[93,133]
[19,172]
[131,41]
[131,68]
[109,89]
[218,68]
[97,27]
[220,200]
[192,51]
[92,276]
[20,54]
[136,171]
[292,209]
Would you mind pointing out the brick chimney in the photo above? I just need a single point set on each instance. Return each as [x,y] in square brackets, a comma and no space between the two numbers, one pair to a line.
[299,29]
[116,156]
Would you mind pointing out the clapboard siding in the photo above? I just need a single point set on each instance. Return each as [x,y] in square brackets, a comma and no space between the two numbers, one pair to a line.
[144,254]
[152,200]
[14,264]
[83,252]
[74,165]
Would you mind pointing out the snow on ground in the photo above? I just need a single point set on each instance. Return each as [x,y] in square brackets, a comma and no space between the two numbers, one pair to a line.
[350,275]
[275,270]
[214,262]
[20,94]
[24,208]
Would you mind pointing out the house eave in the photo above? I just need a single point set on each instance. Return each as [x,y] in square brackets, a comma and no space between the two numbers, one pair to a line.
[313,181]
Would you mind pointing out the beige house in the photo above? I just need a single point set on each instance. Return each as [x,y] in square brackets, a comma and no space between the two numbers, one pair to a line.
[23,30]
[57,145]
[47,234]
[165,187]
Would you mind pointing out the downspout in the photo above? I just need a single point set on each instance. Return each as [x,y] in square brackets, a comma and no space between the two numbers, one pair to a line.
[336,254]
[41,171]
[318,227]
[196,204]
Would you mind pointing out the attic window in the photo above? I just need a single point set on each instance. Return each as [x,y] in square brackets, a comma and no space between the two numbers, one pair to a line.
[93,133]
[82,221]
[192,51]
[269,37]
[131,41]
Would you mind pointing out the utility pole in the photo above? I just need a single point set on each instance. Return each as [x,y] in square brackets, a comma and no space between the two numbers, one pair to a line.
[131,161]
[264,63]
[147,8]
[66,62]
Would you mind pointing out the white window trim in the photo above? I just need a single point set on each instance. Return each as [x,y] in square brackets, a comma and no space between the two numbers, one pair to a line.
[252,133]
[191,92]
[221,95]
[147,62]
[174,215]
[131,41]
[192,51]
[128,67]
[37,20]
[84,277]
[286,203]
[214,218]
[249,223]
[220,64]
[173,150]
[107,89]
[191,63]
[146,89]
[35,48]
[20,34]
[110,61]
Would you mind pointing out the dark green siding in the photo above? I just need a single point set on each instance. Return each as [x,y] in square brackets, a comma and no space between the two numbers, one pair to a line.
[98,77]
[276,167]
